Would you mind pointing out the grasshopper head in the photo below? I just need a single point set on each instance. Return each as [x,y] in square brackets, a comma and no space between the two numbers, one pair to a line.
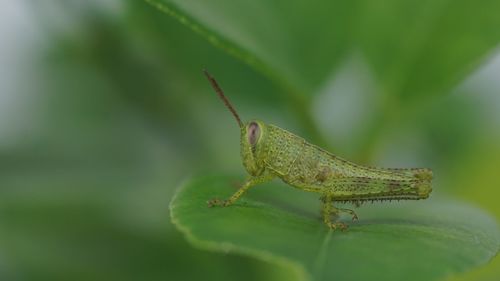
[252,134]
[252,139]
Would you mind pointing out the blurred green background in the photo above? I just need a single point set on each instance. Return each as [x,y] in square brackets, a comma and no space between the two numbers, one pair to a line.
[104,111]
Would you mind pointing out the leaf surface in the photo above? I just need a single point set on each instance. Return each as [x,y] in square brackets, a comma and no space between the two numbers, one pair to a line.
[424,240]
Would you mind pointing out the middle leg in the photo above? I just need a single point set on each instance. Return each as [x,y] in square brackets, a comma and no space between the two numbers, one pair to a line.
[329,211]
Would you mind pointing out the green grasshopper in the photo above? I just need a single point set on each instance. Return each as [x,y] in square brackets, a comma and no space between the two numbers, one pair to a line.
[269,152]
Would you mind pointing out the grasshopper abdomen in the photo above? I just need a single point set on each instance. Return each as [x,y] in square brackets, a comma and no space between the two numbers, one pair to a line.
[311,168]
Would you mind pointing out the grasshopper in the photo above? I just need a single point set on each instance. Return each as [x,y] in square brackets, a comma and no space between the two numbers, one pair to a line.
[270,152]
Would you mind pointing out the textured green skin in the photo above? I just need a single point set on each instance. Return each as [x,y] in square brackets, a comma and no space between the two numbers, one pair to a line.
[279,153]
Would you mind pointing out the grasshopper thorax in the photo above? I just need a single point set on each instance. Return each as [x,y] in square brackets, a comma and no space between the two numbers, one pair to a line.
[252,145]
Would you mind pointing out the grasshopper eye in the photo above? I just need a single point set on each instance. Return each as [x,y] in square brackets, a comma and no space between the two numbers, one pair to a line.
[253,133]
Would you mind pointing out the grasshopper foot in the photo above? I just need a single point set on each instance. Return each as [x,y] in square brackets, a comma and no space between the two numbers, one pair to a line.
[215,202]
[354,217]
[337,225]
[218,202]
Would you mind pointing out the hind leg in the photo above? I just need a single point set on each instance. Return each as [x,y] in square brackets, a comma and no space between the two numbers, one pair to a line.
[350,212]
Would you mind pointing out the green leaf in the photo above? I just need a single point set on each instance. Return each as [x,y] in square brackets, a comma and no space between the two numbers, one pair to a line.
[422,240]
[414,47]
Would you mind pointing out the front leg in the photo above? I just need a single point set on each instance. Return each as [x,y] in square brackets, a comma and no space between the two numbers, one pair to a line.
[251,181]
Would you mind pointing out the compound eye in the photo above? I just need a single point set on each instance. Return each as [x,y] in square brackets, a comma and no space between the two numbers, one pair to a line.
[253,133]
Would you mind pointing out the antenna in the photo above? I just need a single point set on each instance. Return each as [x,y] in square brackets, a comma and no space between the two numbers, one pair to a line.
[219,91]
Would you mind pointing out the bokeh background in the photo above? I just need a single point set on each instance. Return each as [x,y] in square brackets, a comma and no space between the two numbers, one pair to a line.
[104,112]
